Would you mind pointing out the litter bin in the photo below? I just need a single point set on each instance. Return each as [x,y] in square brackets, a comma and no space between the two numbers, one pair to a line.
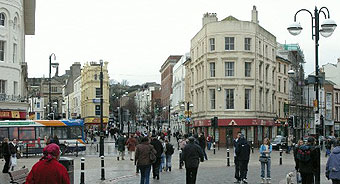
[68,163]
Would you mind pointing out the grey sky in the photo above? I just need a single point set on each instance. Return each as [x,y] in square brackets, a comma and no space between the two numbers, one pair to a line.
[136,36]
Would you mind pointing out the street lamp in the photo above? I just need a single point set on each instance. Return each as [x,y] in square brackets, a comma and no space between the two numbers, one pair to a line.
[101,111]
[327,29]
[54,65]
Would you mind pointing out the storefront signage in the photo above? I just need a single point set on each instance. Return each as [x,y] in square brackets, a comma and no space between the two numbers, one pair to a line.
[235,122]
[12,115]
[96,120]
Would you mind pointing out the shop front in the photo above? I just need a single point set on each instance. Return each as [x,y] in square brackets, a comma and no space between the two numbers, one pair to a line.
[94,123]
[12,115]
[255,130]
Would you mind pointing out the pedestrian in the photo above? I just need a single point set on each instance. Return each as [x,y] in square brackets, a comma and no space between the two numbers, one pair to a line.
[333,164]
[289,143]
[202,144]
[328,147]
[295,150]
[192,155]
[265,151]
[209,142]
[48,169]
[13,147]
[182,143]
[168,154]
[243,156]
[6,154]
[131,146]
[162,166]
[307,161]
[121,141]
[142,159]
[237,165]
[169,134]
[159,149]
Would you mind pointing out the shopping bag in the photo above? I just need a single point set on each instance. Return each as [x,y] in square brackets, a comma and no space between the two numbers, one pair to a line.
[13,161]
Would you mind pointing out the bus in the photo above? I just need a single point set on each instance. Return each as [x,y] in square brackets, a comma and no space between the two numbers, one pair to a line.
[33,133]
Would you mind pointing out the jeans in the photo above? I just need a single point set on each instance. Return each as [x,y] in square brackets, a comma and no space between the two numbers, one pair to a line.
[155,167]
[191,174]
[205,154]
[168,162]
[145,173]
[263,167]
[243,169]
[209,145]
[162,163]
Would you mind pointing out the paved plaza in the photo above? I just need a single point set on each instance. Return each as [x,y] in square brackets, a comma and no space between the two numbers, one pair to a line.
[211,171]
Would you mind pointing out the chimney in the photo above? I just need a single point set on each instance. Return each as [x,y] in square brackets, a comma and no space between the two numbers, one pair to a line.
[209,17]
[254,15]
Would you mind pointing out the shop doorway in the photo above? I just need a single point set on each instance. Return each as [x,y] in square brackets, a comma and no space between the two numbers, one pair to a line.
[229,137]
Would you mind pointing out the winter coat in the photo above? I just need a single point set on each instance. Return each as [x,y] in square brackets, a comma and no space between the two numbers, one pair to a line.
[131,144]
[242,150]
[121,143]
[51,172]
[158,147]
[142,156]
[192,155]
[333,164]
[310,166]
[5,149]
[202,142]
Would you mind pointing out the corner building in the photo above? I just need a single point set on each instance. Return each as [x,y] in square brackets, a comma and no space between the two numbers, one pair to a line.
[231,73]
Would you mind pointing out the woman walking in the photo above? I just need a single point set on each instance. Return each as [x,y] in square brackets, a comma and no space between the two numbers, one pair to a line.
[7,155]
[265,151]
[131,145]
[142,158]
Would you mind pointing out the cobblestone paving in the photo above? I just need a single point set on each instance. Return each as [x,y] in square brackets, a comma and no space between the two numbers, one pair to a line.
[212,171]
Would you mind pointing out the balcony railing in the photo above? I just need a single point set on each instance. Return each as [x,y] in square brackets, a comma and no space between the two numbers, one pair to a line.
[11,98]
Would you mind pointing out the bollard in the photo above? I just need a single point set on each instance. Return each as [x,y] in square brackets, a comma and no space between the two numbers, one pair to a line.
[214,147]
[76,148]
[82,170]
[27,150]
[97,148]
[252,147]
[180,159]
[228,158]
[280,156]
[102,168]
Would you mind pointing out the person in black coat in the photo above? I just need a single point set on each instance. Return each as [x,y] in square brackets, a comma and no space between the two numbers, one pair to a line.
[7,155]
[202,144]
[192,155]
[159,148]
[243,155]
[237,165]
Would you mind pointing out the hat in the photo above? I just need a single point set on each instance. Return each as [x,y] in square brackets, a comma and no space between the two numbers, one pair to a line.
[50,151]
[191,139]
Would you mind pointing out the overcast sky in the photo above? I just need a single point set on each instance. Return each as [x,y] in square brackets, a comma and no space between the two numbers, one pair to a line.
[137,36]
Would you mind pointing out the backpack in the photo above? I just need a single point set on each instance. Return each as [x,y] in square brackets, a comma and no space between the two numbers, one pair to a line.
[304,153]
[170,149]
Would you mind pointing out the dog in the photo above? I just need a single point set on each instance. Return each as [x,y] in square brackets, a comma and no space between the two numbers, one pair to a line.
[289,178]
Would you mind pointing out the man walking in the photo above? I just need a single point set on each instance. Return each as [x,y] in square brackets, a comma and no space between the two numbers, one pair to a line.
[192,155]
[121,146]
[307,161]
[237,165]
[159,149]
[202,144]
[333,164]
[243,155]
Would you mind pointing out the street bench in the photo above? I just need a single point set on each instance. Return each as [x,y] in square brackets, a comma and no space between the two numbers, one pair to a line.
[18,176]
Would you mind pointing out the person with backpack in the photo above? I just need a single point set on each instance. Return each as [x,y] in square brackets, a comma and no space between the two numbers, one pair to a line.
[333,164]
[265,151]
[243,156]
[192,155]
[307,161]
[168,154]
[143,159]
[159,149]
[202,143]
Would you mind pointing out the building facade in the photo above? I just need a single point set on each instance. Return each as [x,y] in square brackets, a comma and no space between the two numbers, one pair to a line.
[336,110]
[17,19]
[166,85]
[177,97]
[90,94]
[231,72]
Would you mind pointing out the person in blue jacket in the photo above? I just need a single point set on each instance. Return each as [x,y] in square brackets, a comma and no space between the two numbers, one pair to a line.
[265,151]
[333,165]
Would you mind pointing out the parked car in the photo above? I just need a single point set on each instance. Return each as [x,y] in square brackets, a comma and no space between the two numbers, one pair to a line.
[279,142]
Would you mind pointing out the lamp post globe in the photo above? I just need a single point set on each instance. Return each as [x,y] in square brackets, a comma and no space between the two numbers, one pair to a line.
[295,28]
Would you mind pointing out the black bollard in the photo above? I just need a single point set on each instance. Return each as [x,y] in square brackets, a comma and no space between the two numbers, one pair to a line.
[26,150]
[102,168]
[228,158]
[76,148]
[252,147]
[97,148]
[280,156]
[180,159]
[82,170]
[214,147]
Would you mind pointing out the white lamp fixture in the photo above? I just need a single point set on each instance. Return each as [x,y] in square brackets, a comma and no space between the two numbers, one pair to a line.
[295,28]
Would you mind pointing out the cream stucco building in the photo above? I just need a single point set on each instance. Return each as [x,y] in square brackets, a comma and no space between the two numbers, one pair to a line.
[232,75]
[90,93]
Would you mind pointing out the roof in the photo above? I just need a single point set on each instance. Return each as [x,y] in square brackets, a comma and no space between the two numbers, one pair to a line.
[230,18]
[171,59]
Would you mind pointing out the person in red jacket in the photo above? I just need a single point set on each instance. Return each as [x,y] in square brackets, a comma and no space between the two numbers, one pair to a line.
[48,169]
